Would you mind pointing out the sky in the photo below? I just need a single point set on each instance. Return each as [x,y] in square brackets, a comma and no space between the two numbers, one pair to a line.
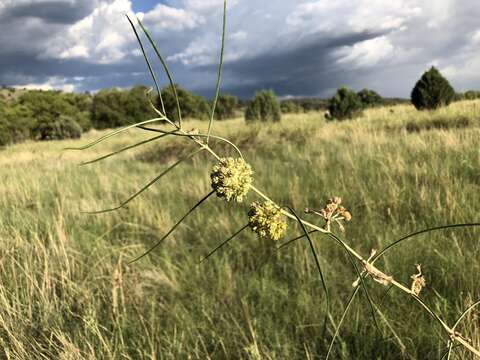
[297,48]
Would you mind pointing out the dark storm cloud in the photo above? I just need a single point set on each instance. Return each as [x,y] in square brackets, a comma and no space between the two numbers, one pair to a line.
[24,69]
[299,48]
[302,70]
[57,12]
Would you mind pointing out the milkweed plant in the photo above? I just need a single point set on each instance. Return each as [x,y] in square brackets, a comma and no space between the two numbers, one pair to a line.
[232,178]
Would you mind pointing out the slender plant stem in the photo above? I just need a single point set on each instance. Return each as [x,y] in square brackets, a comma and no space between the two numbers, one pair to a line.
[219,75]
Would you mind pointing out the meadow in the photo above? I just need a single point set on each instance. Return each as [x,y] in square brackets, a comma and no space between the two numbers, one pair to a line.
[67,290]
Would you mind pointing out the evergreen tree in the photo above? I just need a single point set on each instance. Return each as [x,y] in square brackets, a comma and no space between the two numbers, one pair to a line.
[432,91]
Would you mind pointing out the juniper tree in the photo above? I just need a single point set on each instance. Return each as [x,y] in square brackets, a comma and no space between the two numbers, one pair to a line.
[432,91]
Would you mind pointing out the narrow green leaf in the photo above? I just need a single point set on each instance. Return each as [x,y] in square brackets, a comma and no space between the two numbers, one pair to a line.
[286,243]
[150,68]
[344,314]
[361,277]
[127,148]
[113,133]
[219,75]
[196,135]
[163,173]
[174,227]
[391,328]
[430,311]
[154,108]
[409,236]
[165,67]
[319,268]
[467,310]
[223,243]
[449,352]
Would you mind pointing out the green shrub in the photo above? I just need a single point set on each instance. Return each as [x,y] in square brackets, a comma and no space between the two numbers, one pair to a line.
[83,103]
[369,98]
[63,127]
[16,122]
[263,107]
[346,104]
[47,105]
[313,104]
[114,107]
[459,97]
[84,120]
[432,91]
[226,105]
[20,122]
[472,95]
[107,109]
[5,134]
[290,107]
[191,106]
[137,105]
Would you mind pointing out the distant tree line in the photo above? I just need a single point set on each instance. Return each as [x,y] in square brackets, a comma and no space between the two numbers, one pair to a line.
[52,115]
[431,92]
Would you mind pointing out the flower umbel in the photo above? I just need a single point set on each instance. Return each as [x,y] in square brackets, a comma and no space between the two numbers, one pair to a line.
[333,211]
[267,220]
[231,178]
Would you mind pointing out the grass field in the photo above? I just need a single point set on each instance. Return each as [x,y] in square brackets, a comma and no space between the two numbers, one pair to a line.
[68,292]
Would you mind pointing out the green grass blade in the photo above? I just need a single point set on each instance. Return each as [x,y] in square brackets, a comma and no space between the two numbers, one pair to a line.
[163,173]
[319,268]
[286,243]
[223,243]
[409,236]
[448,354]
[173,227]
[470,308]
[113,133]
[150,68]
[344,314]
[126,148]
[392,329]
[165,67]
[430,311]
[219,75]
[385,293]
[361,277]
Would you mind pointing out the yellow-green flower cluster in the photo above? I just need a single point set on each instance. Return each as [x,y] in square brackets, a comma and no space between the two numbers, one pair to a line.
[231,179]
[267,220]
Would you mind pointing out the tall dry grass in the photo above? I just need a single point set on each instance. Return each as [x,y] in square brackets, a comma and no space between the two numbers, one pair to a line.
[67,292]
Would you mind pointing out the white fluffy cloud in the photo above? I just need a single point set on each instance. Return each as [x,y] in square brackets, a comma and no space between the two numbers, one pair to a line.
[99,37]
[104,36]
[207,5]
[342,16]
[166,18]
[367,53]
